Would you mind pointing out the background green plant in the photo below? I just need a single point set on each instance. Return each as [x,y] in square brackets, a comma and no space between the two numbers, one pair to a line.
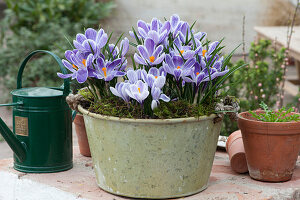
[282,115]
[42,24]
[259,81]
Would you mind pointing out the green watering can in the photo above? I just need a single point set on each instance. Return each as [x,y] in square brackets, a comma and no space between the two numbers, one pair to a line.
[42,125]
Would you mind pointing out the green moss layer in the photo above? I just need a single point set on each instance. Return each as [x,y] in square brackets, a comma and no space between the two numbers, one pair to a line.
[116,107]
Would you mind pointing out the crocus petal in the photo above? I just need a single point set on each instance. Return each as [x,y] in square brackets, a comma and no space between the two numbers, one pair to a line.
[157,51]
[115,92]
[80,38]
[212,47]
[129,93]
[99,35]
[154,36]
[89,45]
[164,97]
[154,71]
[153,104]
[132,76]
[155,92]
[189,63]
[143,52]
[60,75]
[68,65]
[91,34]
[169,62]
[143,25]
[187,79]
[174,21]
[177,60]
[100,64]
[102,41]
[89,60]
[159,59]
[142,32]
[188,54]
[154,24]
[149,44]
[166,27]
[177,73]
[78,46]
[113,64]
[82,75]
[160,82]
[124,46]
[139,59]
[167,68]
[119,73]
[131,34]
[68,54]
[162,37]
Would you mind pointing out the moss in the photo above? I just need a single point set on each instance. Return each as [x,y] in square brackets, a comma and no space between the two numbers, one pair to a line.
[181,109]
[116,107]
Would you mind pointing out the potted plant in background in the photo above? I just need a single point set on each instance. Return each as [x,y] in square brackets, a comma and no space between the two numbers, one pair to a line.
[154,133]
[80,130]
[272,142]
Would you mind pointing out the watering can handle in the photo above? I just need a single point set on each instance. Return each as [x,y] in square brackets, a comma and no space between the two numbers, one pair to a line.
[66,86]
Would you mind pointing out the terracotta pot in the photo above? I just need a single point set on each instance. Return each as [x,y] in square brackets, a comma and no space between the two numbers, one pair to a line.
[271,147]
[81,135]
[236,152]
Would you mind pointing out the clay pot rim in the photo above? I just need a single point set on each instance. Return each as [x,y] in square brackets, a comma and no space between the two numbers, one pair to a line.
[147,121]
[266,123]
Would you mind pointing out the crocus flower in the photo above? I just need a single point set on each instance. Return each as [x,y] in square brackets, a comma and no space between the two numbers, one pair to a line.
[106,70]
[149,55]
[180,49]
[120,90]
[156,95]
[78,64]
[156,30]
[135,75]
[185,34]
[178,68]
[155,77]
[91,42]
[175,24]
[114,50]
[138,91]
[215,70]
[198,75]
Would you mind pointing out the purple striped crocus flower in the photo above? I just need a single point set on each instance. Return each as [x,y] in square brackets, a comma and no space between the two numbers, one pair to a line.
[138,91]
[178,68]
[149,54]
[120,90]
[107,70]
[79,64]
[156,96]
[91,42]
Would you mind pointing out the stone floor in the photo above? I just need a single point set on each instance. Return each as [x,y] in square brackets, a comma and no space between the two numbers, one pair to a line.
[80,183]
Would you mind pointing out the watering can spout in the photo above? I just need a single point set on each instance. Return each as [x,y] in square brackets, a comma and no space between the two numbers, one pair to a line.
[18,148]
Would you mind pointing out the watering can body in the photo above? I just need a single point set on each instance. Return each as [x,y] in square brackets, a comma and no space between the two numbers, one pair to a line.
[42,127]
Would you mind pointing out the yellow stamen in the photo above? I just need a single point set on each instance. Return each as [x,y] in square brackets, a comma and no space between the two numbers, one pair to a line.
[182,51]
[152,58]
[156,76]
[104,71]
[84,62]
[197,73]
[203,52]
[139,90]
[178,67]
[75,67]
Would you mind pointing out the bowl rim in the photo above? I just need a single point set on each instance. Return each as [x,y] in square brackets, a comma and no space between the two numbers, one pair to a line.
[148,121]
